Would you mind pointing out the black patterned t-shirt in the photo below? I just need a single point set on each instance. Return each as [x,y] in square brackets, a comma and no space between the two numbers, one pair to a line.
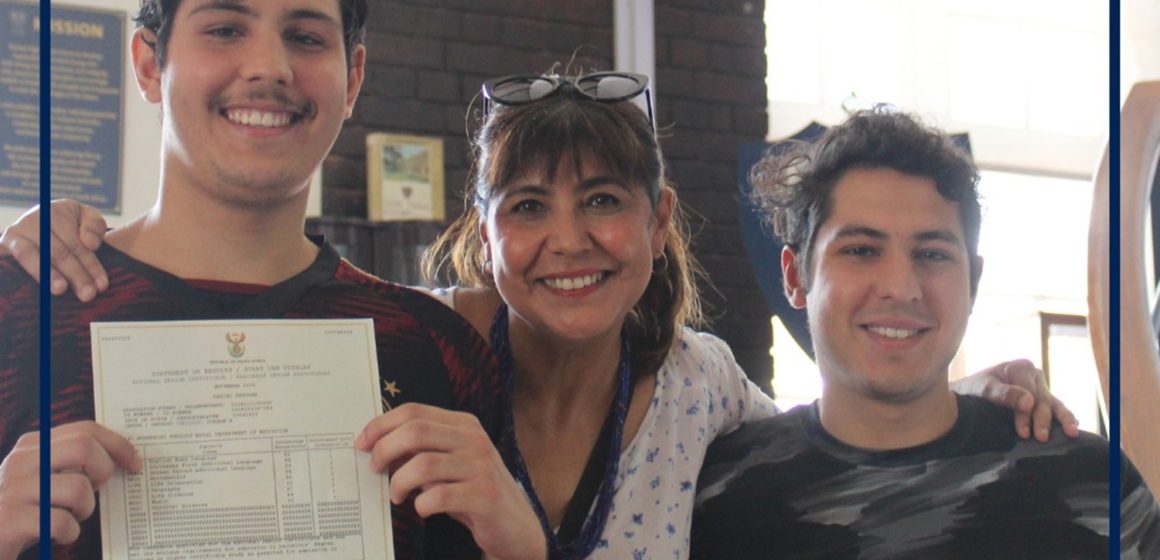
[785,488]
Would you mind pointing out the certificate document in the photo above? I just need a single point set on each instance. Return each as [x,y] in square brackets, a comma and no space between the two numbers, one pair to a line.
[247,433]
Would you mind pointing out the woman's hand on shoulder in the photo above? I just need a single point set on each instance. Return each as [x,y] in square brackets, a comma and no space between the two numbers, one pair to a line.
[77,231]
[1022,387]
[448,463]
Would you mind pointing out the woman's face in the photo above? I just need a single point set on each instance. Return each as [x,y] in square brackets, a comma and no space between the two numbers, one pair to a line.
[571,255]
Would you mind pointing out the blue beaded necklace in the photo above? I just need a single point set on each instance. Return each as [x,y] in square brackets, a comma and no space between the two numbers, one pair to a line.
[589,536]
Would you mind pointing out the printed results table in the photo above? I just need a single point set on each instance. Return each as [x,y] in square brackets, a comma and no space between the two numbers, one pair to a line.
[261,496]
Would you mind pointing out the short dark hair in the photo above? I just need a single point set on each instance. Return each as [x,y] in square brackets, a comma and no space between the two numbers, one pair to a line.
[512,139]
[157,15]
[793,188]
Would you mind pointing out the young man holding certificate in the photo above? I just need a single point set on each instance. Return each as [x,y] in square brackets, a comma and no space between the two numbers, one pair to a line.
[253,94]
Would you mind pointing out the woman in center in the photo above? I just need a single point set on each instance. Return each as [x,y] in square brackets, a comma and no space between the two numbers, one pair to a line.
[573,224]
[571,257]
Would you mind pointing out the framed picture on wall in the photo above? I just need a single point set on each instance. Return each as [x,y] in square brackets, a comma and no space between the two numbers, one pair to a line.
[404,177]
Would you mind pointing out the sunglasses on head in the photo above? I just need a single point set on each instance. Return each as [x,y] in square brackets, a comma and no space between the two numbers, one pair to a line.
[605,87]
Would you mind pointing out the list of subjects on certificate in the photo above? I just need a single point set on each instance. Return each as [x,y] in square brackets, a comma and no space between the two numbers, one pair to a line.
[247,433]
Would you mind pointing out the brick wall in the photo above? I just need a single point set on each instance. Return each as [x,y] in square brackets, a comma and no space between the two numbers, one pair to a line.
[427,60]
[710,66]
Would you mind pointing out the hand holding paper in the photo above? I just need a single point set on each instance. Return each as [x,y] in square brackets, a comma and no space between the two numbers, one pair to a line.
[84,456]
[448,462]
[246,429]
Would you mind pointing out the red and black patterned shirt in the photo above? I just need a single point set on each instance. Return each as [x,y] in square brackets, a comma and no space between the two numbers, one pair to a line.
[425,350]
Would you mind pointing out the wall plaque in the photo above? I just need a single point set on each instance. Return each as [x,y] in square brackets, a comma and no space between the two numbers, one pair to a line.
[404,177]
[87,96]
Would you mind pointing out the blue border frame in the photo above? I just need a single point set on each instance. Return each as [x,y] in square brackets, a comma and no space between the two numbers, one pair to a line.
[45,274]
[1114,296]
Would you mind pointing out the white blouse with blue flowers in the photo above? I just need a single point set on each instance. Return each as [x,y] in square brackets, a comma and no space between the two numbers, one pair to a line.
[701,393]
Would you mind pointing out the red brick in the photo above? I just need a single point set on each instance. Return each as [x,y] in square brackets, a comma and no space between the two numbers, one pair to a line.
[729,29]
[482,28]
[751,121]
[388,82]
[745,61]
[351,142]
[722,117]
[672,22]
[688,53]
[420,21]
[404,116]
[675,83]
[595,13]
[399,50]
[438,86]
[492,61]
[730,88]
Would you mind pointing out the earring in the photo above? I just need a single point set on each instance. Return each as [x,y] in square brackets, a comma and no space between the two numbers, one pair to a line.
[664,263]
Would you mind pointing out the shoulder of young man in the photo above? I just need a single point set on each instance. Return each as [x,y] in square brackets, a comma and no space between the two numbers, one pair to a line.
[414,325]
[19,317]
[15,284]
[1069,465]
[776,440]
[422,307]
[19,342]
[994,421]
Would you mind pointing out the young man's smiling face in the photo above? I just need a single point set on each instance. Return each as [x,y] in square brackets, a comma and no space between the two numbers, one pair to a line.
[888,292]
[254,93]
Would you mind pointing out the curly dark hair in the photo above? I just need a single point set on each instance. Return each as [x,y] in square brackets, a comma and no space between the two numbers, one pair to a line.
[793,187]
[157,15]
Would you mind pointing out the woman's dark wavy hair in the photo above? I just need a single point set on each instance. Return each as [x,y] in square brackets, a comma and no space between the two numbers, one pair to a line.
[793,188]
[512,138]
[157,15]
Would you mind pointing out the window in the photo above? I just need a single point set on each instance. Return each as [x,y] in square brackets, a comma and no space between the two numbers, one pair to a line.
[1028,80]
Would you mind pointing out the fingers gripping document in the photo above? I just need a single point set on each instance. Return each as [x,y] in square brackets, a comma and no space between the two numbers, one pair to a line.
[247,433]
